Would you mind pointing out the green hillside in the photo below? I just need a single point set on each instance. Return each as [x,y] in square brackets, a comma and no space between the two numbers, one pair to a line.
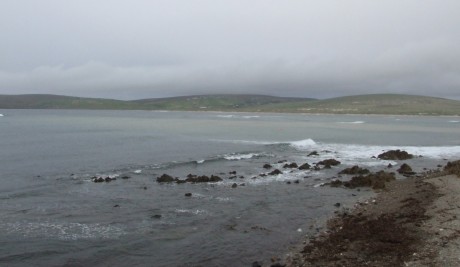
[362,104]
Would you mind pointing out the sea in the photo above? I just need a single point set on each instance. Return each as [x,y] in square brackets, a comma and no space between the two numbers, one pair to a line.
[53,214]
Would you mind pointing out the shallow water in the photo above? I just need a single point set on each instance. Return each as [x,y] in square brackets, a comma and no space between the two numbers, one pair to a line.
[53,214]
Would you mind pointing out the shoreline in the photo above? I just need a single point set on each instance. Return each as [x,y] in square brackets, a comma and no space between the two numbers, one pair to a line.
[412,222]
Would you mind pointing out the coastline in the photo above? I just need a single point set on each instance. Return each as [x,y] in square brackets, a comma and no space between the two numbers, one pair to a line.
[412,222]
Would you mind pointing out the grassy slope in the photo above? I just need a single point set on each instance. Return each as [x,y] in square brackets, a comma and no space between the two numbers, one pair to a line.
[374,104]
[363,104]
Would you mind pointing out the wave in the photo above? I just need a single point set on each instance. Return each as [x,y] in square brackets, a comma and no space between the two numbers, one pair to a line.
[1,115]
[454,121]
[240,156]
[238,116]
[351,122]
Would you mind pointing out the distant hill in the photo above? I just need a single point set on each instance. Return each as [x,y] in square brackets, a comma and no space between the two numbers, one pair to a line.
[361,104]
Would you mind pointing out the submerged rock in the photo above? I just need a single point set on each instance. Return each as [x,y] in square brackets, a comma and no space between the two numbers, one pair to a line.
[329,162]
[395,155]
[354,170]
[188,194]
[313,153]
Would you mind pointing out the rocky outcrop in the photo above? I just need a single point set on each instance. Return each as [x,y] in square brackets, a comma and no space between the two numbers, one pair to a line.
[291,165]
[354,170]
[405,169]
[305,166]
[107,179]
[275,172]
[374,180]
[453,167]
[313,153]
[165,178]
[267,166]
[327,163]
[395,155]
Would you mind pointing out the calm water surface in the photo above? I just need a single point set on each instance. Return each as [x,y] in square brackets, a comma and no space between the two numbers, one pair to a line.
[53,214]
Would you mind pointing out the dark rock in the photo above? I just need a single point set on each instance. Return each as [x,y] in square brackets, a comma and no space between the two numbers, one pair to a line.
[108,179]
[178,181]
[145,187]
[125,177]
[327,166]
[313,153]
[203,179]
[232,177]
[337,204]
[395,155]
[234,185]
[282,161]
[215,178]
[232,172]
[165,179]
[156,216]
[116,206]
[188,194]
[336,183]
[267,166]
[405,169]
[278,265]
[354,170]
[262,175]
[256,264]
[376,180]
[275,172]
[305,166]
[241,177]
[243,184]
[316,168]
[98,179]
[296,181]
[330,162]
[390,165]
[291,166]
[453,167]
[288,182]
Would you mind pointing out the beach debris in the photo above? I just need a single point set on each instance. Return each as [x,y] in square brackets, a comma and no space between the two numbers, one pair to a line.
[305,166]
[395,155]
[354,170]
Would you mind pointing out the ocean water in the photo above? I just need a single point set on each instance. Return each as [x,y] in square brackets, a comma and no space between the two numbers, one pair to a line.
[52,214]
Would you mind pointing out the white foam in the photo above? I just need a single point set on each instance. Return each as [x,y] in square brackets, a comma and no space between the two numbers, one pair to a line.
[351,122]
[454,121]
[250,117]
[138,171]
[1,115]
[240,156]
[194,212]
[225,116]
[200,161]
[303,144]
[63,231]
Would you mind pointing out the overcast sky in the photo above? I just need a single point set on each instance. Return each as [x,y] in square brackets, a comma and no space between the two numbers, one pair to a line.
[307,48]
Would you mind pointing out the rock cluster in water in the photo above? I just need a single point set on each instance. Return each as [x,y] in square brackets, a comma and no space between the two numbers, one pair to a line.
[191,178]
[375,180]
[395,155]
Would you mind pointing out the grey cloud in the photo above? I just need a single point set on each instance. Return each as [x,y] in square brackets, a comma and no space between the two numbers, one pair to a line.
[139,49]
